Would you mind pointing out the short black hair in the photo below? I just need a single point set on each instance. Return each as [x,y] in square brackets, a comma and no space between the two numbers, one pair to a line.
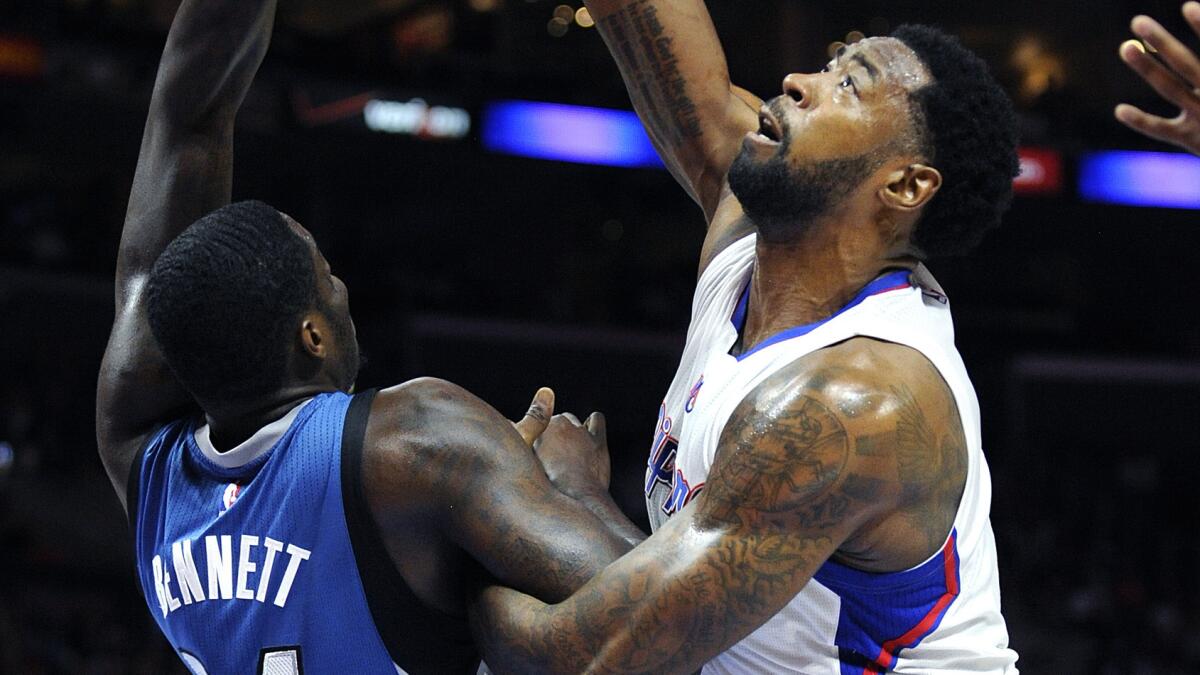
[969,134]
[224,297]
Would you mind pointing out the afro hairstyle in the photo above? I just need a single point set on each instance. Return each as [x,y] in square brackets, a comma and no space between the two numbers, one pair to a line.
[968,132]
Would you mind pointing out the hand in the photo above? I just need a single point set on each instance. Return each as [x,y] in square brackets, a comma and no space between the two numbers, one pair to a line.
[537,417]
[575,456]
[1178,81]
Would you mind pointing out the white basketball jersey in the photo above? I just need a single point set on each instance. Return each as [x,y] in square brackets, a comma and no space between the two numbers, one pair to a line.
[942,616]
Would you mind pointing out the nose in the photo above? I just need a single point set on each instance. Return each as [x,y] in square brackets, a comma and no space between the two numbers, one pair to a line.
[796,87]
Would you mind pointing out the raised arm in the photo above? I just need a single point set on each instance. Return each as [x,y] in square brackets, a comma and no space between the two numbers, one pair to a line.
[786,491]
[674,68]
[1176,77]
[184,171]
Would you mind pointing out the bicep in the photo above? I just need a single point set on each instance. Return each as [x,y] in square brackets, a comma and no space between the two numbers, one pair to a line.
[499,506]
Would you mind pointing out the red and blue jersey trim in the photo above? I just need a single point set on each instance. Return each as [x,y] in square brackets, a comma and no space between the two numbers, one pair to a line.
[883,614]
[892,281]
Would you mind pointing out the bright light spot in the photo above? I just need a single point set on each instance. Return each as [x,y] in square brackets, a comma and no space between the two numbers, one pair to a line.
[584,18]
[416,118]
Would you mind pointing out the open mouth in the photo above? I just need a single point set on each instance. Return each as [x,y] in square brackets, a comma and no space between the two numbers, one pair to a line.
[768,127]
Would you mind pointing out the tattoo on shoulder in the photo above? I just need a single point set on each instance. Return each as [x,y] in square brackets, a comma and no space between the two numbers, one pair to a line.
[781,464]
[645,53]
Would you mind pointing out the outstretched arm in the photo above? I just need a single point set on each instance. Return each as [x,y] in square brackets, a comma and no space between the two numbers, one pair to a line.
[1176,78]
[184,171]
[674,68]
[786,490]
[857,448]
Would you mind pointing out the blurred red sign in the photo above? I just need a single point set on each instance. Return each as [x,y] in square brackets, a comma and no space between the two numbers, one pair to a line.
[1041,172]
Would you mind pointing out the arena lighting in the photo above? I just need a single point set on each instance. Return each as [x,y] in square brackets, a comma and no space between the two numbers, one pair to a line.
[416,118]
[1041,172]
[568,133]
[1164,179]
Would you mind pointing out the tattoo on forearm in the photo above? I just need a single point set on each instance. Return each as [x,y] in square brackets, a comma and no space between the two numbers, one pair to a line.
[644,51]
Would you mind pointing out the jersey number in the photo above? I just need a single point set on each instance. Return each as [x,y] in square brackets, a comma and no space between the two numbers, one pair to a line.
[271,661]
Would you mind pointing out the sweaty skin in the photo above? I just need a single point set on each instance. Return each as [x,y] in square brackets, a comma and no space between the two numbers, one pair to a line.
[453,485]
[854,453]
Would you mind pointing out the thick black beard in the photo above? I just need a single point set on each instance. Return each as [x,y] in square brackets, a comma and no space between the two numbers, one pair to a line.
[784,202]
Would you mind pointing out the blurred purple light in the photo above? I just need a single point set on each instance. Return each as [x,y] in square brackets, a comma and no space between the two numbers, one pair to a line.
[1170,180]
[568,133]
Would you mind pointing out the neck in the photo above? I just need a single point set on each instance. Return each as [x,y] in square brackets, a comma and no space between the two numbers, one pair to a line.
[230,424]
[810,280]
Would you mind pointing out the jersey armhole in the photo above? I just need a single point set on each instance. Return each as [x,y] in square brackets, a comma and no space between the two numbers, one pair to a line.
[134,479]
[418,639]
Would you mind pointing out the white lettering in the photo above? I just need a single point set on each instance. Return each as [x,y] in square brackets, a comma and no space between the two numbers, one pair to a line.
[264,579]
[172,602]
[186,574]
[220,566]
[285,587]
[158,584]
[245,567]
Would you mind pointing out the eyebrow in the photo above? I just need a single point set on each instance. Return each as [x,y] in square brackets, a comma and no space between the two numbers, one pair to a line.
[872,71]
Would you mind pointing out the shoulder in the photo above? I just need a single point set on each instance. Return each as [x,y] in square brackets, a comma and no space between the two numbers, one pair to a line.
[427,438]
[846,430]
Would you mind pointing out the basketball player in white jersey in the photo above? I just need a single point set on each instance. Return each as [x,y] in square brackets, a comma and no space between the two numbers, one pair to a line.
[817,486]
[1176,77]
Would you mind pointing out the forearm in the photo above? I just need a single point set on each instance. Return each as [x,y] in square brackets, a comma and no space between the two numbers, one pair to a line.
[184,167]
[551,548]
[601,505]
[675,71]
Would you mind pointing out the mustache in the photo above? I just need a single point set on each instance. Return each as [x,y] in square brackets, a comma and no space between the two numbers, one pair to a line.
[779,110]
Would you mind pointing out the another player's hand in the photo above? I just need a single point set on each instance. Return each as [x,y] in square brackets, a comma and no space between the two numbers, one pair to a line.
[1178,81]
[574,455]
[537,417]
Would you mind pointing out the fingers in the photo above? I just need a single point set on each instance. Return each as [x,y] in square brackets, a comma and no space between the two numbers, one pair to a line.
[1153,126]
[1166,83]
[1181,59]
[597,426]
[538,416]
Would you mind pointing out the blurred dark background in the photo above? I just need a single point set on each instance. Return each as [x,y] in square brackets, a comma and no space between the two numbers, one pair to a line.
[1077,320]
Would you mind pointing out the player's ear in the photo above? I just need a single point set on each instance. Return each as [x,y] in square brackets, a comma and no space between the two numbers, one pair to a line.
[911,187]
[312,336]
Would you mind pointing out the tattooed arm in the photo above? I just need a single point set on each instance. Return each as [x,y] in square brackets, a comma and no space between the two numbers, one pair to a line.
[184,170]
[789,489]
[448,478]
[674,68]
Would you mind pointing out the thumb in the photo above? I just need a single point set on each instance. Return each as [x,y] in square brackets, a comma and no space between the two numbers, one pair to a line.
[597,426]
[541,409]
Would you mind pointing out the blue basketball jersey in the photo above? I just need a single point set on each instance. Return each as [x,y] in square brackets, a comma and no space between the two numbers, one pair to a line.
[267,563]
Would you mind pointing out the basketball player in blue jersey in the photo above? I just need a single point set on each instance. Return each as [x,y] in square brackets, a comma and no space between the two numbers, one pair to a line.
[1175,75]
[817,485]
[281,524]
